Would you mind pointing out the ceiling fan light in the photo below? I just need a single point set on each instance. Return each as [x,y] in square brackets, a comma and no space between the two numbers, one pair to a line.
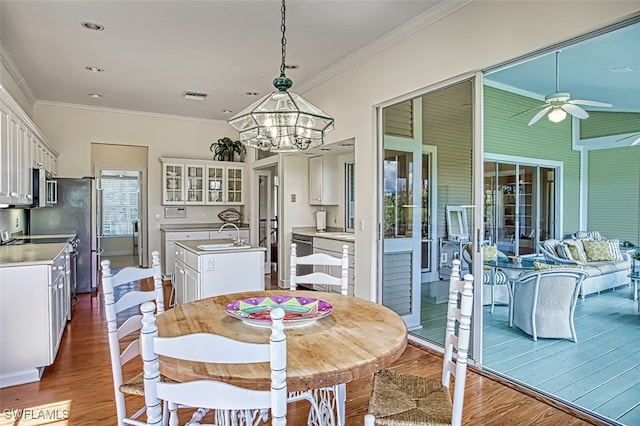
[557,115]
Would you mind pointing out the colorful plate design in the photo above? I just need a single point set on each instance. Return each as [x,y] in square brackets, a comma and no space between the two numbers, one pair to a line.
[298,311]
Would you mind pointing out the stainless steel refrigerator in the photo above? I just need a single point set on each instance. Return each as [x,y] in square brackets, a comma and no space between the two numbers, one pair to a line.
[75,212]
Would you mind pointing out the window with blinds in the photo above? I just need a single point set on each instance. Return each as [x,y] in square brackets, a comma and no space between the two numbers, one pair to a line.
[119,203]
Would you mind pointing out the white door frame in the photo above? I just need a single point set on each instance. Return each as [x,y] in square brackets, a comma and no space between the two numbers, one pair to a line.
[410,245]
[263,173]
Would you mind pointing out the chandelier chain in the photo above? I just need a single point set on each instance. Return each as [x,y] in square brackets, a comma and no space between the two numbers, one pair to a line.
[283,28]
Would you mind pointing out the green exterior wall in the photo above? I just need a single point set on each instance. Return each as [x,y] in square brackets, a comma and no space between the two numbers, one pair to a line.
[609,123]
[614,193]
[508,135]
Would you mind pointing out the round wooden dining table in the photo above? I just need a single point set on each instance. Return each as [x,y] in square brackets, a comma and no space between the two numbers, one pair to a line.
[358,338]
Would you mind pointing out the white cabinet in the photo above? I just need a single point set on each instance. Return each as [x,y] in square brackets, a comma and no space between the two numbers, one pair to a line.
[170,251]
[324,180]
[225,184]
[183,183]
[211,274]
[21,146]
[334,248]
[33,316]
[200,182]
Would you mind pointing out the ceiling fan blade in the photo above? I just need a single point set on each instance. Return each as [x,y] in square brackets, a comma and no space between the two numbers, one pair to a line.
[529,109]
[539,115]
[635,142]
[590,103]
[575,110]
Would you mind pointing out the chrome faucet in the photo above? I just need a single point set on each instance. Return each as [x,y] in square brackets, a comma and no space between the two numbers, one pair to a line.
[237,241]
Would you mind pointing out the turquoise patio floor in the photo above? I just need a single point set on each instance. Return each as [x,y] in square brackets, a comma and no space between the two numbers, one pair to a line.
[599,373]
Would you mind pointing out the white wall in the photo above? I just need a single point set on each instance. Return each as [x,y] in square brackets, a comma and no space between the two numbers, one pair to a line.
[72,130]
[481,34]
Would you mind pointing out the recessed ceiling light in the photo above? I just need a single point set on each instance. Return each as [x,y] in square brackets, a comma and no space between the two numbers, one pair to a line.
[92,25]
[292,66]
[95,95]
[251,93]
[227,111]
[93,69]
[619,69]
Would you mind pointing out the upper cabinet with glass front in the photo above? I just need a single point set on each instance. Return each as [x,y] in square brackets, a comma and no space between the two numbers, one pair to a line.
[202,182]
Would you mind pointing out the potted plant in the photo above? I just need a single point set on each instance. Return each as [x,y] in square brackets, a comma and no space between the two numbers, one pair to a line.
[225,149]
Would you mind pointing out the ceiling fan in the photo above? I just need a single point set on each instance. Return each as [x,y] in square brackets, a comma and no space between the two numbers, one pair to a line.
[558,104]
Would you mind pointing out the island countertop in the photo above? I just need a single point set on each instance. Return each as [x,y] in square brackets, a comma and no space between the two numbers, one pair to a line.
[30,254]
[192,246]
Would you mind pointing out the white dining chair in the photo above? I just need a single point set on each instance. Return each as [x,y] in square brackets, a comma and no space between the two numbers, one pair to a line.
[323,265]
[233,405]
[116,334]
[404,399]
[333,397]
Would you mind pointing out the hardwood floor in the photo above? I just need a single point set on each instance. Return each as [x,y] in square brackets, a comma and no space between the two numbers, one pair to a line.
[77,389]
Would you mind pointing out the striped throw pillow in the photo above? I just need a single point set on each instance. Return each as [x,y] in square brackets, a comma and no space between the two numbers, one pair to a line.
[563,251]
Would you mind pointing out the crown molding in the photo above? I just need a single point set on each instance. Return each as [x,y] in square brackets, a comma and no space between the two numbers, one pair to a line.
[418,23]
[8,63]
[117,111]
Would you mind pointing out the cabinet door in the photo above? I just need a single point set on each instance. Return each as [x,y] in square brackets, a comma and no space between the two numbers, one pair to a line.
[194,184]
[191,284]
[173,183]
[215,184]
[5,163]
[235,177]
[14,156]
[315,180]
[179,283]
[24,166]
[56,312]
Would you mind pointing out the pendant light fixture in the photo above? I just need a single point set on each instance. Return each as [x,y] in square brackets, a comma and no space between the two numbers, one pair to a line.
[282,121]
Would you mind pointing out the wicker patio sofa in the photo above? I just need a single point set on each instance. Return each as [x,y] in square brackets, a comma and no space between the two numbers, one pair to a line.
[602,274]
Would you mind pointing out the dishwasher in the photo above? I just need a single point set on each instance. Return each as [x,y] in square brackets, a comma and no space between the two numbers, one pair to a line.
[304,247]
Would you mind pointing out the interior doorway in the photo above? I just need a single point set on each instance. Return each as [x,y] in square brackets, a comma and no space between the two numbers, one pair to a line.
[267,202]
[116,167]
[119,217]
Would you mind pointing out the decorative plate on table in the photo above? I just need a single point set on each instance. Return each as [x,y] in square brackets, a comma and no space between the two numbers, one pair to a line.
[298,311]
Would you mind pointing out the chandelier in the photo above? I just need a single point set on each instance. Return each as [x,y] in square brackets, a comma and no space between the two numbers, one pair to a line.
[282,121]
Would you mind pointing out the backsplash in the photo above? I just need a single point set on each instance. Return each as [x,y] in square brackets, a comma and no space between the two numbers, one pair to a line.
[13,220]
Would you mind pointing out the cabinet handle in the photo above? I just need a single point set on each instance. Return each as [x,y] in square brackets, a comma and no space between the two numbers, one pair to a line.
[14,194]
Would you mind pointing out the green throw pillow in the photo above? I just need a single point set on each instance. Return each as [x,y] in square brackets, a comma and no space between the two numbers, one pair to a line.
[577,253]
[597,251]
[489,252]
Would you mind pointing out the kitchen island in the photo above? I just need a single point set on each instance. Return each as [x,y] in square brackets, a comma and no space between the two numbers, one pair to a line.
[34,307]
[193,231]
[205,268]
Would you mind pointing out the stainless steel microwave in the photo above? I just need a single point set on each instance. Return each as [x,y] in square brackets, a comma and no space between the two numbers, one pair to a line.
[45,189]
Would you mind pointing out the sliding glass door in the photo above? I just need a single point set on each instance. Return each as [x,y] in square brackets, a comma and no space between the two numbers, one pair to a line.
[520,205]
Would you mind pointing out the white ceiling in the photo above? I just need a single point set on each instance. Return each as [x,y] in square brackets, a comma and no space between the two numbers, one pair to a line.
[153,51]
[585,71]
